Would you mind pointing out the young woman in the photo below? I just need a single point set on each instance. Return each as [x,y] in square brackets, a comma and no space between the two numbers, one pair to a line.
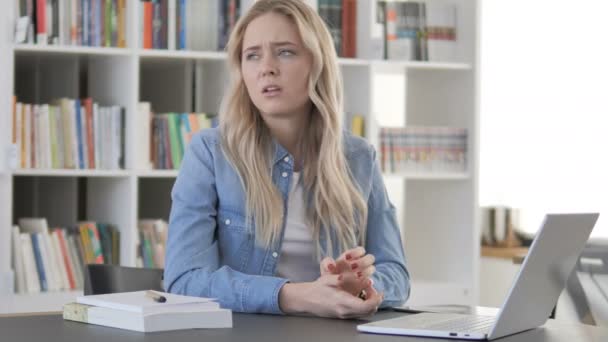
[279,210]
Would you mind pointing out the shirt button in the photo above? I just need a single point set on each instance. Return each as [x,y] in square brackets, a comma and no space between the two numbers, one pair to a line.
[286,159]
[227,222]
[275,254]
[284,175]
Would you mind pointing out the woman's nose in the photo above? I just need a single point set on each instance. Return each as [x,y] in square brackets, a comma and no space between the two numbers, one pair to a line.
[269,66]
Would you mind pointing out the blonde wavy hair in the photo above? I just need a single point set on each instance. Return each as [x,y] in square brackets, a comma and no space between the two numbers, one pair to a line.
[335,200]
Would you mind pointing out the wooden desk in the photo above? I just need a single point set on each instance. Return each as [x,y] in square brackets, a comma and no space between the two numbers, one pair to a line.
[266,328]
[513,253]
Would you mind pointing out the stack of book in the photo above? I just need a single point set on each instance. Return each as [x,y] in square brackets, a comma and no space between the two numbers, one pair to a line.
[166,136]
[72,22]
[341,19]
[148,311]
[419,31]
[68,134]
[177,24]
[152,243]
[53,259]
[423,149]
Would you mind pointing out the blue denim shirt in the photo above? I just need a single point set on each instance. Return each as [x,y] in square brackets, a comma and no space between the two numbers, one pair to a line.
[211,253]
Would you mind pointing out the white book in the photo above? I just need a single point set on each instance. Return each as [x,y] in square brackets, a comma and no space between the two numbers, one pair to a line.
[144,123]
[66,120]
[116,136]
[172,25]
[96,134]
[191,319]
[33,225]
[35,136]
[31,273]
[46,137]
[83,136]
[74,134]
[64,23]
[18,262]
[59,136]
[138,302]
[56,283]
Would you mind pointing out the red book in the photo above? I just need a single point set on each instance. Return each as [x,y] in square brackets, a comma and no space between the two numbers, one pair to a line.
[41,37]
[148,14]
[66,259]
[349,28]
[88,107]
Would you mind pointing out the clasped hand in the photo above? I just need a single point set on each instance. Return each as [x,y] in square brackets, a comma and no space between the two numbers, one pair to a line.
[344,289]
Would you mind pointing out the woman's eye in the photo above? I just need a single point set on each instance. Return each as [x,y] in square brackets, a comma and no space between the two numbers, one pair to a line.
[251,56]
[286,53]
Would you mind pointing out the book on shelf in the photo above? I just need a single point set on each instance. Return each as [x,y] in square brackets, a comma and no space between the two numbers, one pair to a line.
[423,149]
[176,24]
[98,23]
[137,311]
[166,135]
[68,134]
[152,243]
[340,16]
[416,30]
[356,123]
[53,259]
[498,226]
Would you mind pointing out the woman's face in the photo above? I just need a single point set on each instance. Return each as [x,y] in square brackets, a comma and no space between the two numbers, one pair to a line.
[275,66]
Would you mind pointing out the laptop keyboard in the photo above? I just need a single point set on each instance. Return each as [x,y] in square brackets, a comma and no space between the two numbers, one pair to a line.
[456,323]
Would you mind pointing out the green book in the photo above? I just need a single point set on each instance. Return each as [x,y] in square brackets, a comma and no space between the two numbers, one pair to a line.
[175,140]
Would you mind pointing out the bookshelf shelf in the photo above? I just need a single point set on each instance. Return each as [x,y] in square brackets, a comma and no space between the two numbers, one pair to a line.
[71,173]
[180,54]
[437,212]
[428,175]
[70,50]
[353,62]
[157,174]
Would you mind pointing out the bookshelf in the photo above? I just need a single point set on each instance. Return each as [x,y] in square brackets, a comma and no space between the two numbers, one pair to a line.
[437,211]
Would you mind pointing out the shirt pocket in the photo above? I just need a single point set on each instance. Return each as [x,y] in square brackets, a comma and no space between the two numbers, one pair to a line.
[236,240]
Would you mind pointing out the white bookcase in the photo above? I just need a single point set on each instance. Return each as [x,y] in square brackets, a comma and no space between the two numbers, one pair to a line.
[437,212]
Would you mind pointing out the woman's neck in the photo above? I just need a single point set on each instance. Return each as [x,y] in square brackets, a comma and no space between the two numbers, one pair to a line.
[289,131]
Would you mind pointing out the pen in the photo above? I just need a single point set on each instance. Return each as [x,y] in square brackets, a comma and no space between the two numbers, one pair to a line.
[156,297]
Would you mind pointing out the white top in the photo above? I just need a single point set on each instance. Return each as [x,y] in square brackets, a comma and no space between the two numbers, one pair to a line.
[296,261]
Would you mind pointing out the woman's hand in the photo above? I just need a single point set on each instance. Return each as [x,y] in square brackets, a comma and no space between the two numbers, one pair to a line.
[355,267]
[324,298]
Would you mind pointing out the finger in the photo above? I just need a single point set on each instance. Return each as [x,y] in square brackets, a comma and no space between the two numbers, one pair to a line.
[328,266]
[363,262]
[357,306]
[353,254]
[366,273]
[333,280]
[352,284]
[342,266]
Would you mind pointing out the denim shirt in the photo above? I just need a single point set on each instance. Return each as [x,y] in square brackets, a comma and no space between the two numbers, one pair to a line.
[212,253]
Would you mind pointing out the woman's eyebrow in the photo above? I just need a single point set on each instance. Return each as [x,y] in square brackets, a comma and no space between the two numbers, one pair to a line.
[273,44]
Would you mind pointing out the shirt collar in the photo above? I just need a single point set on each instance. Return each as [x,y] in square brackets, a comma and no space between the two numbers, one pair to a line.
[280,153]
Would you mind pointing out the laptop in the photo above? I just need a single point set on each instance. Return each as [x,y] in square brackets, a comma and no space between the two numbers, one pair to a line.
[541,278]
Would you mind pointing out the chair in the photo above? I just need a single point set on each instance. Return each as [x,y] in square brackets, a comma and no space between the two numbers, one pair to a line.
[102,279]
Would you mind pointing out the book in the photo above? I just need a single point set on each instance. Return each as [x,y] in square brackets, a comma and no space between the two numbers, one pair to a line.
[191,319]
[137,302]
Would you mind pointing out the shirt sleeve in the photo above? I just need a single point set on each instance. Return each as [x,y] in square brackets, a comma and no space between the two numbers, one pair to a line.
[384,242]
[192,265]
